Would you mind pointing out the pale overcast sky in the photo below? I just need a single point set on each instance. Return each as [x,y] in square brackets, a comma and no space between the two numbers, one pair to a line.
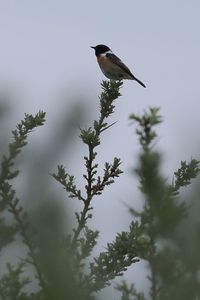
[45,50]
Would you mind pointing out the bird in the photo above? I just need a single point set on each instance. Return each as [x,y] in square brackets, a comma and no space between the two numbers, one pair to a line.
[112,66]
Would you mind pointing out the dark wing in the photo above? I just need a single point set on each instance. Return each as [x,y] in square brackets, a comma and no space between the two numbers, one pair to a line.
[116,60]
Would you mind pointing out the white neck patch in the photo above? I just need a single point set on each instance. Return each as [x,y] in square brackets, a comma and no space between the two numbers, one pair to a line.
[107,52]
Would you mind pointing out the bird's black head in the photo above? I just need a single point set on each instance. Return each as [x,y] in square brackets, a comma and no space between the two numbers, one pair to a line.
[100,49]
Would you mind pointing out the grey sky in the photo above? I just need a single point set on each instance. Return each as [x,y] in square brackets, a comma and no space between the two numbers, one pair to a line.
[45,48]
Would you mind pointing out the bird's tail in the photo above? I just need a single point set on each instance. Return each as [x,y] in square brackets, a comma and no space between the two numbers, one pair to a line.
[140,82]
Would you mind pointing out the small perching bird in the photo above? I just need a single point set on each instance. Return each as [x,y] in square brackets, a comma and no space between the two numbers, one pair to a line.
[112,66]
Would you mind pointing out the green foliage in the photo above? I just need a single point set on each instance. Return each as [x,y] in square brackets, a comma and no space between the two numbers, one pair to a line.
[129,292]
[146,123]
[19,136]
[59,266]
[162,218]
[60,260]
[91,137]
[185,173]
[11,202]
[7,193]
[122,253]
[67,182]
[15,281]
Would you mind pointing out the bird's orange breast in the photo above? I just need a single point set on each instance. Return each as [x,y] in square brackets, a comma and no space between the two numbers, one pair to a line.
[103,62]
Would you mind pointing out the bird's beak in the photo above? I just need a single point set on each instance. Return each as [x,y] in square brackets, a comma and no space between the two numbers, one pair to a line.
[92,47]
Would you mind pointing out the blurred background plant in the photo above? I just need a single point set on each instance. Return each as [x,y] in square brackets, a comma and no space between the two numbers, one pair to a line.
[56,259]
